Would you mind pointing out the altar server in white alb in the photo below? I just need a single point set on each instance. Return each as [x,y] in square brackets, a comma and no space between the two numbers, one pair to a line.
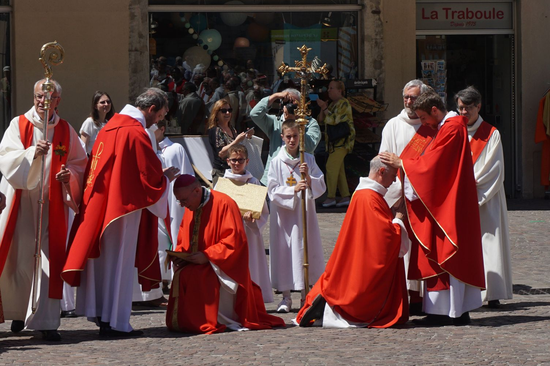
[285,187]
[257,261]
[21,152]
[488,158]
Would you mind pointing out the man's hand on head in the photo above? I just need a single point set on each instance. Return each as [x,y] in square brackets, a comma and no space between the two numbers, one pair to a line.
[390,159]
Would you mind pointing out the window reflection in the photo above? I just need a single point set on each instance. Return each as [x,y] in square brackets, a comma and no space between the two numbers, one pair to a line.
[247,47]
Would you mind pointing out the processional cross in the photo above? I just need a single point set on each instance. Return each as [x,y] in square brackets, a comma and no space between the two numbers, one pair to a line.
[305,72]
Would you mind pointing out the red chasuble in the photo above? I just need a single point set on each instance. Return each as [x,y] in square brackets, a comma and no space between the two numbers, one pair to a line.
[364,280]
[123,175]
[195,290]
[445,218]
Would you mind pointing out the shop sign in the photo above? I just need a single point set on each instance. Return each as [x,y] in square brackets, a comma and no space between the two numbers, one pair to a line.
[303,35]
[464,15]
[360,83]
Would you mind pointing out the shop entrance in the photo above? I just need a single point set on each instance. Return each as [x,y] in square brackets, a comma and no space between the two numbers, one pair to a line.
[483,61]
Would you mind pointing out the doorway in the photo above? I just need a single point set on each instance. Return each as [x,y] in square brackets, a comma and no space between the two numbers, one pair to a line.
[485,62]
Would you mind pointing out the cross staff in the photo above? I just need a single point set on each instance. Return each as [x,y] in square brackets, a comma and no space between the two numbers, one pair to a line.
[305,71]
[55,57]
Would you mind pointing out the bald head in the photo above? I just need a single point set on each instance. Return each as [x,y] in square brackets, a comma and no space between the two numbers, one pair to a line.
[382,173]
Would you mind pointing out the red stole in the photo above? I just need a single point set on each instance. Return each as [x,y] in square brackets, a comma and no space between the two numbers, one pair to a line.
[57,227]
[480,138]
[419,142]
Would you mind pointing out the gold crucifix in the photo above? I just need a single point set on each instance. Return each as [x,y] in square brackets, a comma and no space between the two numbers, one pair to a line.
[304,71]
[291,181]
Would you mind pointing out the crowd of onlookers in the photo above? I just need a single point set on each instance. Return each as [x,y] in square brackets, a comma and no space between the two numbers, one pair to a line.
[194,91]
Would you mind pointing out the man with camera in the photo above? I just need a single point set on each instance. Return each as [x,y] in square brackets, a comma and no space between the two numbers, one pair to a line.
[271,125]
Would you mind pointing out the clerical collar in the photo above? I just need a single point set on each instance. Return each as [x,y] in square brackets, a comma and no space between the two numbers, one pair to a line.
[367,183]
[238,177]
[205,197]
[476,124]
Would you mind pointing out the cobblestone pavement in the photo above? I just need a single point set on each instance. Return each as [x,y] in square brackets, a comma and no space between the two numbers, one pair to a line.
[517,333]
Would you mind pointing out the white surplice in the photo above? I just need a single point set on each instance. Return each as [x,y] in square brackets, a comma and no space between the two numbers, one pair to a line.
[173,154]
[21,171]
[257,261]
[493,212]
[396,135]
[106,289]
[286,227]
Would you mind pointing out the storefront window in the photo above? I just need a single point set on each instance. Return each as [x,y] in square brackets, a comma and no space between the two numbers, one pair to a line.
[5,82]
[251,45]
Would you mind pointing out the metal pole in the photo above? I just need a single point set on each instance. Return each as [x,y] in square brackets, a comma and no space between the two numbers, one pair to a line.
[48,87]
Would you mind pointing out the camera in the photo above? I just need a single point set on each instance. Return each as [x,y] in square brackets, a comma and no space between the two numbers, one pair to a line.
[291,107]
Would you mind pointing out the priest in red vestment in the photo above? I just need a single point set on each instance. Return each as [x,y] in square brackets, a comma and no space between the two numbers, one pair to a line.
[443,216]
[364,282]
[211,288]
[116,230]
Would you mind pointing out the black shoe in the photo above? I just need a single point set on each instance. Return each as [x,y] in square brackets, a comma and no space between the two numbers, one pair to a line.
[493,304]
[464,319]
[68,314]
[415,308]
[165,288]
[314,312]
[51,335]
[17,326]
[432,320]
[111,333]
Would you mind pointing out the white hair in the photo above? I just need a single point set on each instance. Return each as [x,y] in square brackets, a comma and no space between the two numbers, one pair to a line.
[56,85]
[416,84]
[295,93]
[376,163]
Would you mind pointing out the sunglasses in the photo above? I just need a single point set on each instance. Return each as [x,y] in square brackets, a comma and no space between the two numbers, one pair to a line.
[226,110]
[235,161]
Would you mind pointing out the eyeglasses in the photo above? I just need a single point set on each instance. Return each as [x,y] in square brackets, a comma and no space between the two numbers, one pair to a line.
[105,102]
[411,97]
[42,96]
[235,161]
[467,108]
[226,110]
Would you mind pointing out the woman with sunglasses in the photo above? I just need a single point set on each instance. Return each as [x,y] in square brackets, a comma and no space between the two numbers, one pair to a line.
[102,111]
[222,135]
